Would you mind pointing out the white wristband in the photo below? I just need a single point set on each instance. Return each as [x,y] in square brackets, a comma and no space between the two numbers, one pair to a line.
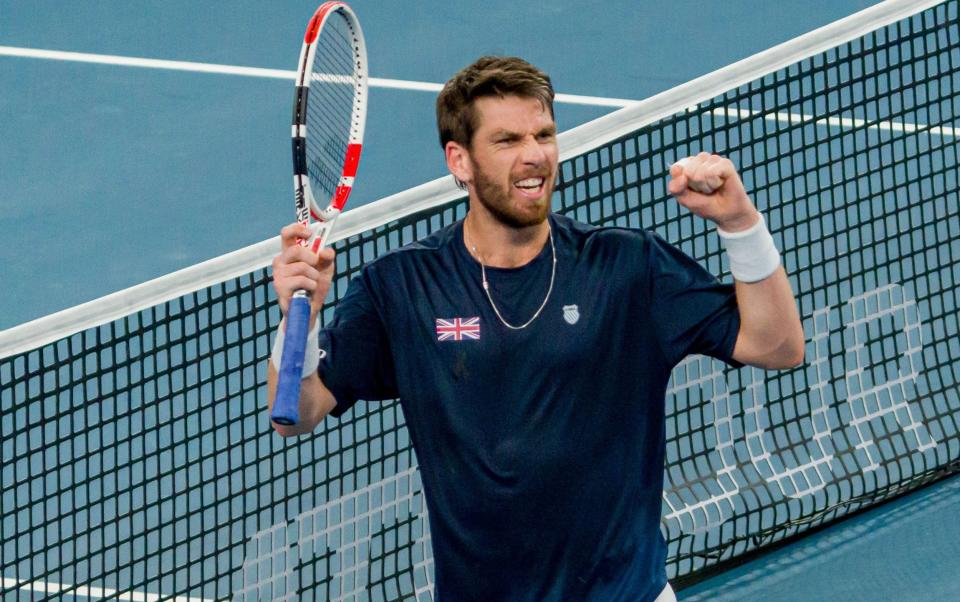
[311,358]
[753,255]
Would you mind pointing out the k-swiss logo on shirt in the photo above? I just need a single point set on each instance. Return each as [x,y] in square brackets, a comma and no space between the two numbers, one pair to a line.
[571,313]
[458,329]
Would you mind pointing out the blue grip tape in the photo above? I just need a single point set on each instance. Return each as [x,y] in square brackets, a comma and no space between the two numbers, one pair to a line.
[286,404]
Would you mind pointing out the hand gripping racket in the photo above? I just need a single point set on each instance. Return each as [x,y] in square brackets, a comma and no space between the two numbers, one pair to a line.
[329,111]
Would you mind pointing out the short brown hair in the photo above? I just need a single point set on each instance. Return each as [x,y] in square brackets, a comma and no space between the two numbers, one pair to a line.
[488,76]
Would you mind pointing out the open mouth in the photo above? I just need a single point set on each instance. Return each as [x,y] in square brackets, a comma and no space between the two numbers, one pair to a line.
[531,187]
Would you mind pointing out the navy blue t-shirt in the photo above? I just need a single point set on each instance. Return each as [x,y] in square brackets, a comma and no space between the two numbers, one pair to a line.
[541,450]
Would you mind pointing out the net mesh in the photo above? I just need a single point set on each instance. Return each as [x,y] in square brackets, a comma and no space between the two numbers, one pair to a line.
[138,460]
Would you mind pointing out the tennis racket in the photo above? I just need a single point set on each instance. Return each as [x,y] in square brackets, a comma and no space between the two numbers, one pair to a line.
[329,112]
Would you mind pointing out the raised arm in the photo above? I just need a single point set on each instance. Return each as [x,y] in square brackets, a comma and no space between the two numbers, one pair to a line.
[771,335]
[297,268]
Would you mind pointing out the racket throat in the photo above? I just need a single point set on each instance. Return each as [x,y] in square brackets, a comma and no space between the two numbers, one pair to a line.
[323,228]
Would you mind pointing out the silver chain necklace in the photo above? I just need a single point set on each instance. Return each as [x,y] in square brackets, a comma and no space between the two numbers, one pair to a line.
[486,285]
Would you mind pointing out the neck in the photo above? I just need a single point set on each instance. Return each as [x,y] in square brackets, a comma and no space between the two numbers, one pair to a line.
[498,245]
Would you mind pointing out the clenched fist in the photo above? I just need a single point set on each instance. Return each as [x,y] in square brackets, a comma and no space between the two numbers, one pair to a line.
[708,185]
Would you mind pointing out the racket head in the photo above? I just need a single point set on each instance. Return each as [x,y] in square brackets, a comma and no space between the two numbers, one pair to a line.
[329,115]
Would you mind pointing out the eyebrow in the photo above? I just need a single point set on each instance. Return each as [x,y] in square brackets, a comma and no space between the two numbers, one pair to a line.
[502,133]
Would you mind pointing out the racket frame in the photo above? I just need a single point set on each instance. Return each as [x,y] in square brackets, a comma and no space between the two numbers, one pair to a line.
[287,399]
[304,197]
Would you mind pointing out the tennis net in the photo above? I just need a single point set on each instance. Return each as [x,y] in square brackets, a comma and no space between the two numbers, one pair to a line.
[139,463]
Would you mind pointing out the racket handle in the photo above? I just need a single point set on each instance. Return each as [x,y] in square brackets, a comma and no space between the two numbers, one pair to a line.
[286,403]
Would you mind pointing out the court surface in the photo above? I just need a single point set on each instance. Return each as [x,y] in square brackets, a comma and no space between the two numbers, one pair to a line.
[116,175]
[113,175]
[903,550]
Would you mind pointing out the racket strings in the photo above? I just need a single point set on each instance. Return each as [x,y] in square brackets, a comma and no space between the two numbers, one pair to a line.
[334,72]
[334,87]
[338,50]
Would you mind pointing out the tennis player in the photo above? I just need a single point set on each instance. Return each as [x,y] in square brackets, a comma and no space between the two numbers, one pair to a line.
[531,353]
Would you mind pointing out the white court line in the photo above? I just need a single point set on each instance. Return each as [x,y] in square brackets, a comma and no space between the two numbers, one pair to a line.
[376,82]
[400,84]
[838,122]
[48,587]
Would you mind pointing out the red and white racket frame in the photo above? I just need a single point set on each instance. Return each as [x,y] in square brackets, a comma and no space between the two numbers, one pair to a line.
[304,198]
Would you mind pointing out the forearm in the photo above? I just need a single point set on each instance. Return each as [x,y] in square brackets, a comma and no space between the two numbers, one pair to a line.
[316,401]
[771,335]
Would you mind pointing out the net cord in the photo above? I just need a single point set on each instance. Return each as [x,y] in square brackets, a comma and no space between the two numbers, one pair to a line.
[573,142]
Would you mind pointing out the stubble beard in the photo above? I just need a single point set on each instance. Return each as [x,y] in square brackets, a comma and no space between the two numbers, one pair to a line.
[496,200]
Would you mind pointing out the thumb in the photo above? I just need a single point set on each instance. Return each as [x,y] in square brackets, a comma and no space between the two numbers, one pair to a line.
[678,180]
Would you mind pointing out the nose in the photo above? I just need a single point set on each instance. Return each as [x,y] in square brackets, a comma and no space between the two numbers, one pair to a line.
[532,152]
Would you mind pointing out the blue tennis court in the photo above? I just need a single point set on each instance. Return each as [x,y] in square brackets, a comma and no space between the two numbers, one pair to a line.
[146,171]
[120,168]
[902,550]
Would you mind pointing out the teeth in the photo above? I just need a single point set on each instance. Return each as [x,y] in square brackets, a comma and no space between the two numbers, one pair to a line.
[529,183]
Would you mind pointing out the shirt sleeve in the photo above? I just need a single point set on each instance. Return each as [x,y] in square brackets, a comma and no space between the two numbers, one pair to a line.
[357,363]
[692,311]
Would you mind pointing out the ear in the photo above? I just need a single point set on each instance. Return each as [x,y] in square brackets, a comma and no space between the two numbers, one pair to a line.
[458,162]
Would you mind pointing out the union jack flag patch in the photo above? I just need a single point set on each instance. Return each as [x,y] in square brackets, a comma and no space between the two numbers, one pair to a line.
[458,329]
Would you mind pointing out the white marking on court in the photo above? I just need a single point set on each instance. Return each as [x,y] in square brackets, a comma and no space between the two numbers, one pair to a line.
[342,532]
[375,82]
[895,397]
[707,375]
[49,587]
[416,86]
[773,466]
[837,122]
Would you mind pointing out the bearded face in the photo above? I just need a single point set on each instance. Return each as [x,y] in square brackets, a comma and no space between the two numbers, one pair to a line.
[513,160]
[498,196]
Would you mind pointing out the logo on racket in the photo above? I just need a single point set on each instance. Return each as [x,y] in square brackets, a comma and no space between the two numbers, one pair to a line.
[571,314]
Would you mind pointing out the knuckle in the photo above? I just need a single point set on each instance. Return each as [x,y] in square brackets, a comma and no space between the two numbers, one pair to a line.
[296,255]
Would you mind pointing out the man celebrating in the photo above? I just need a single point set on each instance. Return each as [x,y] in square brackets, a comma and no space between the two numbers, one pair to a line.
[531,353]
